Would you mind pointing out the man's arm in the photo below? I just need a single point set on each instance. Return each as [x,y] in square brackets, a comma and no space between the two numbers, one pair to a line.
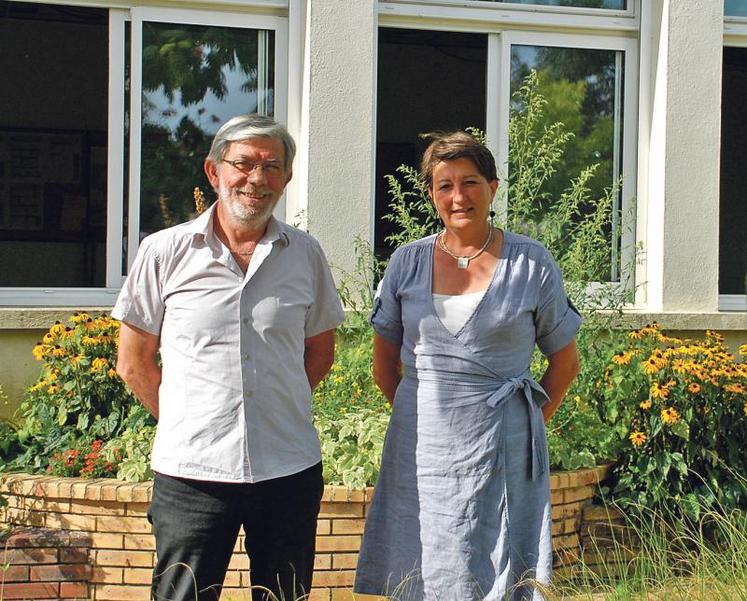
[137,366]
[318,356]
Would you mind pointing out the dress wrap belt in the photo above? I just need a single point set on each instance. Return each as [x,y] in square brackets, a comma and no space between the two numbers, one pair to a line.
[500,389]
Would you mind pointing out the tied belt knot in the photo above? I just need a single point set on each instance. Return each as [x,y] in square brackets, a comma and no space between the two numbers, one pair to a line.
[536,397]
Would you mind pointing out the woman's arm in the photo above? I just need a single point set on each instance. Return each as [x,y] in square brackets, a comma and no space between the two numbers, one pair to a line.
[562,369]
[387,368]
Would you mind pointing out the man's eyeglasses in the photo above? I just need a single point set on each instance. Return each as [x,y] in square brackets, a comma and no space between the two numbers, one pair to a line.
[269,168]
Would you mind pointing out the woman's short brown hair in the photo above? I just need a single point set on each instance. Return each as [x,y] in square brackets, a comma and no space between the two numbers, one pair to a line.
[455,145]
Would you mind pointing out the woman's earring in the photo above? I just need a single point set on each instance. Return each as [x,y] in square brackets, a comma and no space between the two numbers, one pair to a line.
[492,217]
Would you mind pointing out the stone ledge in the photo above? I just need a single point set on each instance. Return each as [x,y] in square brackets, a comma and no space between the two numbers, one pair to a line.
[40,318]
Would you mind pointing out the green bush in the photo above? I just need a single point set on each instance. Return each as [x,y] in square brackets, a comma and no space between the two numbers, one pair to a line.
[680,410]
[78,402]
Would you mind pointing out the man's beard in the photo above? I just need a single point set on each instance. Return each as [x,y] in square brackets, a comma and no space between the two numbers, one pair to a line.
[244,212]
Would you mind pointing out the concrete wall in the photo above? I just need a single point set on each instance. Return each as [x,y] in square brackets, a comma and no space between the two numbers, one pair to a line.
[340,123]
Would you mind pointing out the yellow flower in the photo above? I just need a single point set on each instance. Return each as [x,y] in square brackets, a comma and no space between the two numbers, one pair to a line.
[89,324]
[90,340]
[78,317]
[58,351]
[99,364]
[40,351]
[622,358]
[743,349]
[75,359]
[67,332]
[48,338]
[38,386]
[57,328]
[680,366]
[637,438]
[693,387]
[646,405]
[53,375]
[636,334]
[53,389]
[659,391]
[735,388]
[651,365]
[670,415]
[112,373]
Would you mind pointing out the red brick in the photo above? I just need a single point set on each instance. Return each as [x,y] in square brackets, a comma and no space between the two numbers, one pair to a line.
[61,572]
[74,555]
[73,590]
[34,590]
[14,574]
[30,556]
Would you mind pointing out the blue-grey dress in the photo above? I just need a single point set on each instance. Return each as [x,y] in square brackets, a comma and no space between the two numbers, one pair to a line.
[461,509]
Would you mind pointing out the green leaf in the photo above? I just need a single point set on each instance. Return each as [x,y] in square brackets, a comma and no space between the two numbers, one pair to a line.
[681,429]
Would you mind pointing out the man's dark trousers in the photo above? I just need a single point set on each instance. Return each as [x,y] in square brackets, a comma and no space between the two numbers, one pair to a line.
[196,524]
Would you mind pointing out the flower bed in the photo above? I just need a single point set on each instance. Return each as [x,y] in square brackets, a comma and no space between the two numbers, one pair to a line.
[113,552]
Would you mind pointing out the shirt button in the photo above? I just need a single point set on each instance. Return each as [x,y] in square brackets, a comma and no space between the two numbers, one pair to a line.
[245,321]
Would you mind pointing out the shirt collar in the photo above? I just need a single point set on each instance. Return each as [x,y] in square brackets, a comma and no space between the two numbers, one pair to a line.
[203,226]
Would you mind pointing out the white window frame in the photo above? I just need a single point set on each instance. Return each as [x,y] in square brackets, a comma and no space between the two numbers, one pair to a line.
[499,55]
[270,17]
[735,36]
[570,27]
[468,14]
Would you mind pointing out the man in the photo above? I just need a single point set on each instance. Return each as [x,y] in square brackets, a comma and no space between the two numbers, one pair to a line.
[243,310]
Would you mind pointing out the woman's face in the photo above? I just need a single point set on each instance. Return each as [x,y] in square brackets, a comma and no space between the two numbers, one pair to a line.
[461,195]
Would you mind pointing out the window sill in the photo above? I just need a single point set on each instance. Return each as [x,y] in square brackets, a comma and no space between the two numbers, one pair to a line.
[40,318]
[684,321]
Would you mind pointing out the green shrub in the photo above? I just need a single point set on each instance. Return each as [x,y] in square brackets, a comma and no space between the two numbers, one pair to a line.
[77,400]
[680,409]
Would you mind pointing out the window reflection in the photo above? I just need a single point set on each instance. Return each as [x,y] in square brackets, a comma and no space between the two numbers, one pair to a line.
[733,211]
[735,8]
[583,89]
[608,4]
[194,79]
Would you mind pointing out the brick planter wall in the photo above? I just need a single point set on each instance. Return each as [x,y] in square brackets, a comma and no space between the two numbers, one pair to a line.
[102,526]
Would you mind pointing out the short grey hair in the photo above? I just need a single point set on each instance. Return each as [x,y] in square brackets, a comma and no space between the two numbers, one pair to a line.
[245,127]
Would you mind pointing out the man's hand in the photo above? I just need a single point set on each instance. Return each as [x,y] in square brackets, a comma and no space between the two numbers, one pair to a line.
[318,356]
[137,366]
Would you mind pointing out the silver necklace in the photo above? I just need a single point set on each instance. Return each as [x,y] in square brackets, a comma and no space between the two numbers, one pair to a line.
[463,261]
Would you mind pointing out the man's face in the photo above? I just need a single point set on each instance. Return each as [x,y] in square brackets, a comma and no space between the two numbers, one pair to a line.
[250,179]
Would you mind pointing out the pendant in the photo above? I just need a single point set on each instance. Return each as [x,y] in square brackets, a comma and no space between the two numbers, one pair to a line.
[462,262]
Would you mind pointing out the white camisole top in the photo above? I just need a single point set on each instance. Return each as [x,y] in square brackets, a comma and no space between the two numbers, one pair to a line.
[455,309]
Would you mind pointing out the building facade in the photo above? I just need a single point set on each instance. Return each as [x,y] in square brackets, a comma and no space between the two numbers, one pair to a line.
[108,108]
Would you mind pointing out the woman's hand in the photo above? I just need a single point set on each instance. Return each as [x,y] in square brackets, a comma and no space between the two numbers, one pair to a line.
[562,369]
[387,368]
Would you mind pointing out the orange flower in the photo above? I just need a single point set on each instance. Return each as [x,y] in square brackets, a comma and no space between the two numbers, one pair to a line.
[693,387]
[646,405]
[637,438]
[737,388]
[622,358]
[670,415]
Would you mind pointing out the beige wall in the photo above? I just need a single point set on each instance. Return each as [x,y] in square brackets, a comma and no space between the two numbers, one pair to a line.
[18,368]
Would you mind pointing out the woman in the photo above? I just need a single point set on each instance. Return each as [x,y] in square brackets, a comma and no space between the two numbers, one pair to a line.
[461,509]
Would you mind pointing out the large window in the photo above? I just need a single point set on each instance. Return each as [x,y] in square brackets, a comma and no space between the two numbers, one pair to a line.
[584,88]
[53,145]
[434,80]
[105,119]
[733,209]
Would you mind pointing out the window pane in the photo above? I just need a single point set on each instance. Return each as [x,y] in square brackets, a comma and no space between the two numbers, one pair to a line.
[427,81]
[583,89]
[194,79]
[53,153]
[733,213]
[735,8]
[609,4]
